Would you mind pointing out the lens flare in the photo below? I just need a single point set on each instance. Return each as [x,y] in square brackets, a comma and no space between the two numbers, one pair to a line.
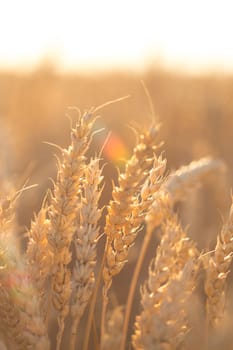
[115,149]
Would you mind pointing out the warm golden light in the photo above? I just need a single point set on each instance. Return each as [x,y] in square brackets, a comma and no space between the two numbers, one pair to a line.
[102,34]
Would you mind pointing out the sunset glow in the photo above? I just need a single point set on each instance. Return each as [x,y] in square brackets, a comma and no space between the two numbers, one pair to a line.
[103,34]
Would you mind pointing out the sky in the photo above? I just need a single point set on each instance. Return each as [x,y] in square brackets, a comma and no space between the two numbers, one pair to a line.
[102,34]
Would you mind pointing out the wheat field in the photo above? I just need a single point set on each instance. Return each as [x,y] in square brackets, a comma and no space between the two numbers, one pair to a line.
[123,238]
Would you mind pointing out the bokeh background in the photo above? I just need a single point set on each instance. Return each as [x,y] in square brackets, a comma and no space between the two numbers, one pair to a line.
[57,54]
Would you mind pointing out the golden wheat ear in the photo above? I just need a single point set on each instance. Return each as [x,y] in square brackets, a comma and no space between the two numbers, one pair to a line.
[39,256]
[21,319]
[63,212]
[85,239]
[129,205]
[217,268]
[188,176]
[177,185]
[165,294]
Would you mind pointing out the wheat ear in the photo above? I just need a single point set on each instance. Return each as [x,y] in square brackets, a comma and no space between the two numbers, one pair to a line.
[63,212]
[186,177]
[125,203]
[24,323]
[85,239]
[217,268]
[123,221]
[39,256]
[177,185]
[11,326]
[164,295]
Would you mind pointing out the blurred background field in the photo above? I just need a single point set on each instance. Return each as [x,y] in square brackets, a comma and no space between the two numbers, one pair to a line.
[69,53]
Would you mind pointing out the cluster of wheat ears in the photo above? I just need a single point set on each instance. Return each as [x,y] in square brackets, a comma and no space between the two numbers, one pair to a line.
[59,276]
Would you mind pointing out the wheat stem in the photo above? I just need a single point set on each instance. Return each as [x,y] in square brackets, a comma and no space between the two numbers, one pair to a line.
[132,289]
[92,307]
